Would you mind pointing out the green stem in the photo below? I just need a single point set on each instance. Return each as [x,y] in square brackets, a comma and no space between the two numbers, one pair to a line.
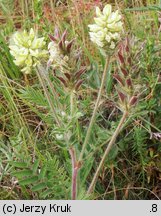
[51,86]
[112,141]
[71,103]
[48,97]
[26,79]
[72,153]
[74,173]
[95,109]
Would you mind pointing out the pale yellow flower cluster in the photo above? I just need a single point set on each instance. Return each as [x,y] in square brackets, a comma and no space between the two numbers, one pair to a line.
[53,51]
[107,28]
[27,50]
[57,59]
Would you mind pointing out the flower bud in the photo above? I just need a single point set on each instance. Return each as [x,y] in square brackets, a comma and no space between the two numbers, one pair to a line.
[121,96]
[67,76]
[129,82]
[62,80]
[80,72]
[78,84]
[121,58]
[119,79]
[125,73]
[52,38]
[133,100]
[69,45]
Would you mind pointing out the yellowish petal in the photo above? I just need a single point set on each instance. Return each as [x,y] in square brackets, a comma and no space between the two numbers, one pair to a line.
[107,10]
[98,12]
[99,22]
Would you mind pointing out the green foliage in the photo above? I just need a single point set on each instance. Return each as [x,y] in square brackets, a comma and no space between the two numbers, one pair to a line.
[5,153]
[139,145]
[46,179]
[6,60]
[7,194]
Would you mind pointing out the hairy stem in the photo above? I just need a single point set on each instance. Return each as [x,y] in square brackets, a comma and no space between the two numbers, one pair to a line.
[112,141]
[74,183]
[75,168]
[71,103]
[75,164]
[95,109]
[26,79]
[51,86]
[42,81]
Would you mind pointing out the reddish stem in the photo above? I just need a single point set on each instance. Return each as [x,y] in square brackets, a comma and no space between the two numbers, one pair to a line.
[74,183]
[75,168]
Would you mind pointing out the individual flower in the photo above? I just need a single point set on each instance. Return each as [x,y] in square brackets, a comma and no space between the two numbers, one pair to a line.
[27,49]
[59,136]
[107,28]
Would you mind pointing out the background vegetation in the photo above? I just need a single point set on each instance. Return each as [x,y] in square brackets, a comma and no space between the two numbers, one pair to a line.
[35,165]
